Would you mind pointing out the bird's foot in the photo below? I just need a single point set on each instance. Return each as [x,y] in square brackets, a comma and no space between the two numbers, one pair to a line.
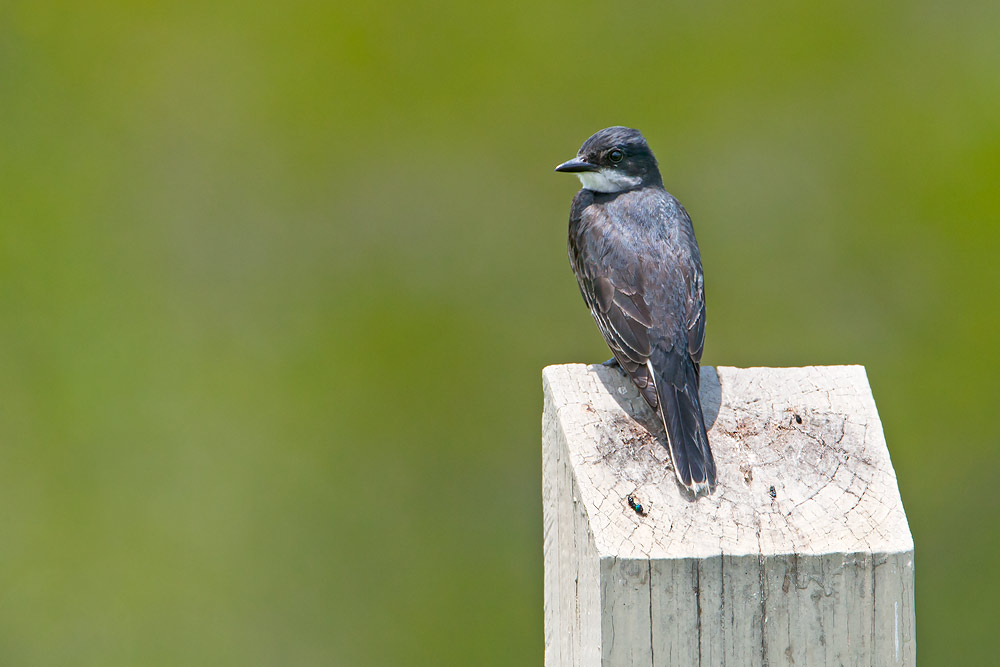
[612,363]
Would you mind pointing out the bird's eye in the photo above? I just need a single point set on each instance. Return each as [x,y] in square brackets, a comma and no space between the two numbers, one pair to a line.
[616,155]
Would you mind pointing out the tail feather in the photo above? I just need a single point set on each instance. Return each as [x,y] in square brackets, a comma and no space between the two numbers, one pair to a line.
[680,410]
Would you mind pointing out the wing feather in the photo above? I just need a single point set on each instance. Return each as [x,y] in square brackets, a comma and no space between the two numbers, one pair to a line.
[650,307]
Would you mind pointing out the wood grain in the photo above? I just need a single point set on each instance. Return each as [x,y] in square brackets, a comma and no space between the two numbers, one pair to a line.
[801,556]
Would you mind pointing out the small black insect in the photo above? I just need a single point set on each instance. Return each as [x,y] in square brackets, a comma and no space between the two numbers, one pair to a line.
[798,419]
[634,503]
[771,492]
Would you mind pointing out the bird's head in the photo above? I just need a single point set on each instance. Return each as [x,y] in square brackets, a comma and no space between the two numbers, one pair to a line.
[613,160]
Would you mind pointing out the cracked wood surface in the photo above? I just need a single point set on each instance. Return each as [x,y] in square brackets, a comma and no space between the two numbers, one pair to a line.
[802,555]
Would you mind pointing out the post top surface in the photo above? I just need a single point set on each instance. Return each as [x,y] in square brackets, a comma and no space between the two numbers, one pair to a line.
[802,464]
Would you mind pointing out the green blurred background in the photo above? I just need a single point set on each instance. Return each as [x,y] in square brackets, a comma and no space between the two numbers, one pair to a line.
[277,283]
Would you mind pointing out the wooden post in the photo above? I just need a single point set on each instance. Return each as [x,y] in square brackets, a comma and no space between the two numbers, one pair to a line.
[801,556]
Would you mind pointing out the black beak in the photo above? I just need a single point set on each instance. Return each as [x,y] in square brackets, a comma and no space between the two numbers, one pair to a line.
[577,164]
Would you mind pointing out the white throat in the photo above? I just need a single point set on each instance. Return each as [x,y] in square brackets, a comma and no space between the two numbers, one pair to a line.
[607,180]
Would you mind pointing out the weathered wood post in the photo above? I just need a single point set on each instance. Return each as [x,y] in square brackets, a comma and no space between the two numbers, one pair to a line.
[801,556]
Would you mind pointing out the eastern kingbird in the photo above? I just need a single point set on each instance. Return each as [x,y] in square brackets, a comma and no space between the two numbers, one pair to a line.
[632,248]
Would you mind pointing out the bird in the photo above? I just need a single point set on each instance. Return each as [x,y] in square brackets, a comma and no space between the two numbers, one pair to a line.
[633,250]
